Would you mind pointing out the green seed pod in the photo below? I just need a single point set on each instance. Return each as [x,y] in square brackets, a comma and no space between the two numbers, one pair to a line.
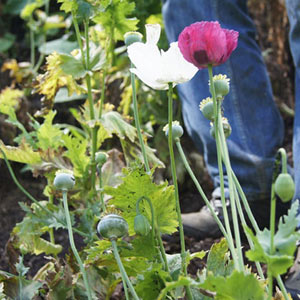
[101,158]
[285,187]
[207,108]
[112,227]
[132,37]
[64,181]
[226,127]
[141,225]
[221,83]
[177,130]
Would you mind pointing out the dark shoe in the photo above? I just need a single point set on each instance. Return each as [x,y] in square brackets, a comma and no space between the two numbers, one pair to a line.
[201,224]
[292,283]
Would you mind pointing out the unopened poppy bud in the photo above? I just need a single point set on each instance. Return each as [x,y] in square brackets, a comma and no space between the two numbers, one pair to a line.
[141,225]
[221,83]
[207,108]
[177,130]
[284,187]
[64,180]
[226,128]
[101,158]
[132,37]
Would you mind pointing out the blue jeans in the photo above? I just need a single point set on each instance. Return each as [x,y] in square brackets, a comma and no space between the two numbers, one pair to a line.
[257,127]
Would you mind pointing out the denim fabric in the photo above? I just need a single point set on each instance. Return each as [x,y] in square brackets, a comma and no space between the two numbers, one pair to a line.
[257,127]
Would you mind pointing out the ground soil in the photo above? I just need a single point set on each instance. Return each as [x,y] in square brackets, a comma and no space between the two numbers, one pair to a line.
[272,25]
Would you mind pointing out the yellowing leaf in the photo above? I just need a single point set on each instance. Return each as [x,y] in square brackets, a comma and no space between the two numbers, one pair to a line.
[23,153]
[9,100]
[49,83]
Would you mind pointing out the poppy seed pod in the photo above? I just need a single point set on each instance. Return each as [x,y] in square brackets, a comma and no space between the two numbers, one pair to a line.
[207,108]
[132,37]
[221,84]
[226,128]
[177,130]
[112,227]
[64,181]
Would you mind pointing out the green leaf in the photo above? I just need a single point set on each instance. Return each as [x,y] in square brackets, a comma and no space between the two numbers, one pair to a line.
[68,5]
[30,288]
[181,282]
[72,66]
[115,18]
[218,260]
[49,135]
[237,286]
[62,96]
[151,283]
[113,122]
[6,43]
[29,8]
[60,46]
[76,152]
[284,243]
[23,154]
[34,225]
[136,184]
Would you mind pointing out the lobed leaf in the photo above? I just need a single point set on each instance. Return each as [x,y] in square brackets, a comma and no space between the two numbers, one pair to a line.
[136,183]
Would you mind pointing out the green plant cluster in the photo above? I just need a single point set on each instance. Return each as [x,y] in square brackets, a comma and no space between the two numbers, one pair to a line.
[77,55]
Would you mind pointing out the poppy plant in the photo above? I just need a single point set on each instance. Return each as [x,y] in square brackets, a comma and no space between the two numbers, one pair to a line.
[155,67]
[206,43]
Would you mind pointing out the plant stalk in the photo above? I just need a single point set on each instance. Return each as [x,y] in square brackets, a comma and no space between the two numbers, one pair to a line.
[72,244]
[235,255]
[123,271]
[174,177]
[137,122]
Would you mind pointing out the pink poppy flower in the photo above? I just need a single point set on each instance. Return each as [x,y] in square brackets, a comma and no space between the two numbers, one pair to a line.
[206,43]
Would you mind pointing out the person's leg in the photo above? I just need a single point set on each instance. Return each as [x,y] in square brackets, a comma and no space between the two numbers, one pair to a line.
[293,10]
[257,128]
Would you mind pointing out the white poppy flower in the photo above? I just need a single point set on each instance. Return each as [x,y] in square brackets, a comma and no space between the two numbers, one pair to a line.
[155,67]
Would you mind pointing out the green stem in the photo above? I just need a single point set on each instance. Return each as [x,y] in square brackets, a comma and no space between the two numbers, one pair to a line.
[243,221]
[137,122]
[51,232]
[32,47]
[102,93]
[200,190]
[73,247]
[123,271]
[87,43]
[20,285]
[125,289]
[220,167]
[78,36]
[270,285]
[162,249]
[101,190]
[282,288]
[283,160]
[154,231]
[92,111]
[174,177]
[245,203]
